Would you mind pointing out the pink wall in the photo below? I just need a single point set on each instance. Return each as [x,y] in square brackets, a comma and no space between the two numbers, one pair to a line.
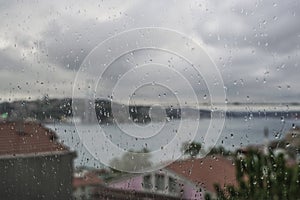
[190,192]
[135,183]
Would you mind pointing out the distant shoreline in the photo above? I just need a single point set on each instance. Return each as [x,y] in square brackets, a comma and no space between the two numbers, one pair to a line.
[61,110]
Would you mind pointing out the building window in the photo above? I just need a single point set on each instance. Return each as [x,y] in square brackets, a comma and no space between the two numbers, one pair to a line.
[159,182]
[173,186]
[147,182]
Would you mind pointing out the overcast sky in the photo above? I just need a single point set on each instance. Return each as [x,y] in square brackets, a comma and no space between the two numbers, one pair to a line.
[254,44]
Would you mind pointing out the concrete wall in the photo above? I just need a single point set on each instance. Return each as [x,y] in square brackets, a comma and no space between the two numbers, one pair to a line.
[37,177]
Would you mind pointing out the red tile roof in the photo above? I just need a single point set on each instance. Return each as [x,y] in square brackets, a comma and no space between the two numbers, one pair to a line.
[26,138]
[207,171]
[89,179]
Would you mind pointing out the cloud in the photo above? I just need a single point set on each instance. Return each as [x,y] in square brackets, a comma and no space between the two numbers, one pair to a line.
[254,44]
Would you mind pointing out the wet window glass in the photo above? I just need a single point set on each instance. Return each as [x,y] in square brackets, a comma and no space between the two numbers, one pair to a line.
[159,182]
[139,99]
[148,182]
[173,185]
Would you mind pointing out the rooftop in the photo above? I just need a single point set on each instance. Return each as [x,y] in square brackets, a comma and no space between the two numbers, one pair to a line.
[27,138]
[88,179]
[205,172]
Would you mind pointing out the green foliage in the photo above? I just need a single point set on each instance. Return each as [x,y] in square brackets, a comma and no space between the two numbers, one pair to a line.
[262,177]
[195,148]
[132,161]
[220,150]
[192,149]
[46,108]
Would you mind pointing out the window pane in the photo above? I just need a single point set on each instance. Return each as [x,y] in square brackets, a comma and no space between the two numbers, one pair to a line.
[159,182]
[147,182]
[173,186]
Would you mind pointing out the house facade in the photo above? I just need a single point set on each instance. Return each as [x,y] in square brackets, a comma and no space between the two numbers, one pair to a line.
[33,165]
[185,179]
[206,172]
[84,183]
[163,182]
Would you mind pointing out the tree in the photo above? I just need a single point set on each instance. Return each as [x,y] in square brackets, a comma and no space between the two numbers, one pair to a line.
[262,177]
[192,149]
[220,150]
[132,161]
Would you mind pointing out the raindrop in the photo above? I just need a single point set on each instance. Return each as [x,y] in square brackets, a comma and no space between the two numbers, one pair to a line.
[242,81]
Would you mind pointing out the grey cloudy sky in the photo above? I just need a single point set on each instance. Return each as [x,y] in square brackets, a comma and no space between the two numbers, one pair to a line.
[255,44]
